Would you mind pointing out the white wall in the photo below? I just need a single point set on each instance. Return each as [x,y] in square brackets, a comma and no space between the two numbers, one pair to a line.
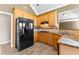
[68,12]
[5,26]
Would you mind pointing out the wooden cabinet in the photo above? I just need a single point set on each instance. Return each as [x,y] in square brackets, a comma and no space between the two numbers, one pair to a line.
[43,37]
[35,36]
[49,38]
[51,17]
[55,38]
[38,21]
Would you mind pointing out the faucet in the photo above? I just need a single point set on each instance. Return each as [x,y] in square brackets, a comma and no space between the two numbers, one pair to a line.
[64,33]
[67,33]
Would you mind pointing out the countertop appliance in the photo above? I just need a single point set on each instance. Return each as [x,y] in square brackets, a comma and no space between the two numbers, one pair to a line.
[24,30]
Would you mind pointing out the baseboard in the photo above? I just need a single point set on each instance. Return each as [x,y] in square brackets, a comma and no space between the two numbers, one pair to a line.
[12,46]
[4,42]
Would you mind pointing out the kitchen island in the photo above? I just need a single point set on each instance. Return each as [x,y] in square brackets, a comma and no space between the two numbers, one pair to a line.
[69,45]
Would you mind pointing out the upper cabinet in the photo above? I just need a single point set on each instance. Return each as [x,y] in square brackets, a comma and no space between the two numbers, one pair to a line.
[50,17]
[21,13]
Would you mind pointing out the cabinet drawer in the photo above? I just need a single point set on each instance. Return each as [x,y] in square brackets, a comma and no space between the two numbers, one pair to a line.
[55,36]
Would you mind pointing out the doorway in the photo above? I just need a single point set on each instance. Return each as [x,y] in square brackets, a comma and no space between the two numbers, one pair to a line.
[6,25]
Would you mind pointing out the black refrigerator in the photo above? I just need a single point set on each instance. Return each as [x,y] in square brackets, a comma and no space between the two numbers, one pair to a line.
[24,30]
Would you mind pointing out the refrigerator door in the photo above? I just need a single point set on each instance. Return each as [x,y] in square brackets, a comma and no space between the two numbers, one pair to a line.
[24,33]
[30,25]
[20,29]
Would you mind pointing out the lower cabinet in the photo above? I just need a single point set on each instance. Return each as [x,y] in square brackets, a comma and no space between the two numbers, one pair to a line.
[43,37]
[49,38]
[54,40]
[36,36]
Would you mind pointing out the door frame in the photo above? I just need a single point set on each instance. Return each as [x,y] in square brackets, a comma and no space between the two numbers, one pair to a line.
[10,14]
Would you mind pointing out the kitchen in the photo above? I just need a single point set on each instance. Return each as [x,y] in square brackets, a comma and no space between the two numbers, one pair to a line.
[50,28]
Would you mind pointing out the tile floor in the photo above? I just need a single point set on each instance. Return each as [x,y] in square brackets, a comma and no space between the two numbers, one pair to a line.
[38,49]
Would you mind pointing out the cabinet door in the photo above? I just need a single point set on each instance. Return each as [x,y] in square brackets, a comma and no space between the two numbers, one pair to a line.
[43,37]
[38,21]
[50,17]
[55,38]
[49,40]
[35,36]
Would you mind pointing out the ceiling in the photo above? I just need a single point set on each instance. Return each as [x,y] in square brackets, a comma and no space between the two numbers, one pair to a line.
[8,7]
[32,8]
[42,8]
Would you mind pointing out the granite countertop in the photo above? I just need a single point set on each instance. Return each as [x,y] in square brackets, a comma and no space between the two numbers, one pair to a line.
[65,39]
[68,41]
[56,31]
